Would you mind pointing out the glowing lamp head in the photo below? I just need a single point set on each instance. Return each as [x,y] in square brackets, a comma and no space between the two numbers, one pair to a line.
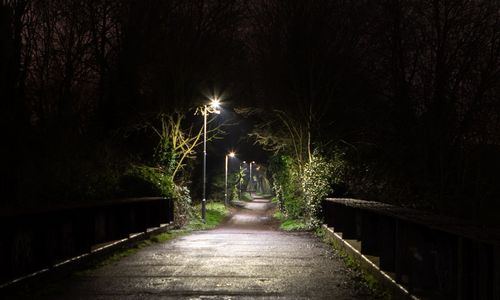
[215,103]
[232,154]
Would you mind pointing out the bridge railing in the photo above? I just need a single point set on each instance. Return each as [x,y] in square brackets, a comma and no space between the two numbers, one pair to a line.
[37,240]
[432,256]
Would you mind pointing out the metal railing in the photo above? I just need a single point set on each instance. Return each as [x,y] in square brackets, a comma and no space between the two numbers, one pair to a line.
[37,240]
[433,256]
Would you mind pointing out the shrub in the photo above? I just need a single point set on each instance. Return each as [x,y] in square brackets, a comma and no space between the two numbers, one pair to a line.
[183,210]
[245,196]
[141,181]
[320,174]
[235,193]
[287,187]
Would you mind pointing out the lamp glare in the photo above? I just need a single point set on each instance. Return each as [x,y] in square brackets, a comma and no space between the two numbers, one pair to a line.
[215,103]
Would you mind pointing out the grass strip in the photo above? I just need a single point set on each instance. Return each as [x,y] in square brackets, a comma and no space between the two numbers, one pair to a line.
[288,224]
[358,274]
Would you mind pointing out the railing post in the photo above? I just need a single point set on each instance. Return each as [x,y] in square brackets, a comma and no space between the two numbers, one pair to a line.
[459,269]
[369,234]
[429,254]
[496,270]
[32,241]
[386,246]
[348,222]
[399,249]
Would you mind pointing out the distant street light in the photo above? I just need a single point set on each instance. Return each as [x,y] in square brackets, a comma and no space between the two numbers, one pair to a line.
[226,201]
[213,107]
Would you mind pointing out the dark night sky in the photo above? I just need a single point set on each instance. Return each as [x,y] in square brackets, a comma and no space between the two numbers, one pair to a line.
[236,139]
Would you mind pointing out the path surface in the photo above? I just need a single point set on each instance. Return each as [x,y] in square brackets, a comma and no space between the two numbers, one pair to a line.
[245,258]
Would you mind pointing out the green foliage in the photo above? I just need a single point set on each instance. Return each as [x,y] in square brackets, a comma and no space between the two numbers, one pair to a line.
[240,175]
[175,145]
[279,215]
[319,175]
[299,194]
[165,154]
[235,193]
[177,142]
[143,181]
[245,196]
[183,210]
[264,186]
[286,186]
[293,225]
[217,186]
[236,184]
[215,214]
[359,274]
[289,224]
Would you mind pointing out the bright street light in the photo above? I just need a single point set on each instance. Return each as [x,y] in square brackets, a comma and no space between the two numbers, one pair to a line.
[213,107]
[215,104]
[230,154]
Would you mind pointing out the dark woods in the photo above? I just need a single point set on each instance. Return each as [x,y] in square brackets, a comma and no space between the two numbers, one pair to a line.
[406,90]
[79,80]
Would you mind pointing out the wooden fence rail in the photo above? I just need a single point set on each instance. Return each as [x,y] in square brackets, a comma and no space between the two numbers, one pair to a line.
[434,257]
[32,241]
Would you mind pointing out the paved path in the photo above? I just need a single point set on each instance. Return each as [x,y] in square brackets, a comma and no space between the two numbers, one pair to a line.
[245,258]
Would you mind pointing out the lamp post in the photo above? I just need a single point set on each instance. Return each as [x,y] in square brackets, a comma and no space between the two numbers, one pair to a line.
[226,201]
[206,109]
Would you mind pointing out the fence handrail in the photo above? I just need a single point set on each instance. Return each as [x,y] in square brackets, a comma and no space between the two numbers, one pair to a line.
[427,253]
[430,220]
[38,239]
[20,211]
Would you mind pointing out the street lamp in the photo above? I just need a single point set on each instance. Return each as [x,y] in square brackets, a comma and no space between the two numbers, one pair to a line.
[230,154]
[213,107]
